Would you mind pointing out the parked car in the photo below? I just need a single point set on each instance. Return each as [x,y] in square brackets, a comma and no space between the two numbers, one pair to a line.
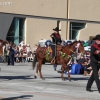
[86,43]
[44,42]
[87,48]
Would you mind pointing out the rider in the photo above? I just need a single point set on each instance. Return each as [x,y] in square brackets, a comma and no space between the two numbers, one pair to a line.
[56,37]
[56,40]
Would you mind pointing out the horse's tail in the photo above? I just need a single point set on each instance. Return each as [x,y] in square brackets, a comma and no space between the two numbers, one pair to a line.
[34,62]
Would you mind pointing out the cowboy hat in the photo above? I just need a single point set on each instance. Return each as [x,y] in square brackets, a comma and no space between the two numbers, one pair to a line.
[97,37]
[56,29]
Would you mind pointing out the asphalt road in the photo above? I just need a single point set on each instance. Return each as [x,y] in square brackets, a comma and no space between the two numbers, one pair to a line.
[18,83]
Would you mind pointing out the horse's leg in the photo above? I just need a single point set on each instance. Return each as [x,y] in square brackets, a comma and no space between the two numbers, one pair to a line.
[67,69]
[41,72]
[62,73]
[37,67]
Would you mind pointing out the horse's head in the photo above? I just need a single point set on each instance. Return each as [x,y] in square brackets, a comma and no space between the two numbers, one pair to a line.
[79,47]
[2,43]
[76,47]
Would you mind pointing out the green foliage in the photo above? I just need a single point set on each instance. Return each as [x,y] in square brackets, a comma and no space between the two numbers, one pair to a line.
[65,55]
[47,55]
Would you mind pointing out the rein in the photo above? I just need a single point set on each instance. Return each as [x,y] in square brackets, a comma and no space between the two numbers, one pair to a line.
[72,51]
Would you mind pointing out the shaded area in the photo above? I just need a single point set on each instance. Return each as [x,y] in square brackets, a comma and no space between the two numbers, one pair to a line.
[81,78]
[47,77]
[72,78]
[16,77]
[23,97]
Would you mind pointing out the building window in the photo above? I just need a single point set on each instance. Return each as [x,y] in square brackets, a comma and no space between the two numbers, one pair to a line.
[74,29]
[16,30]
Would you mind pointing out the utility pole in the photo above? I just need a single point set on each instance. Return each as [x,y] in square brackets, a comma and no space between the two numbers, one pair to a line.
[67,23]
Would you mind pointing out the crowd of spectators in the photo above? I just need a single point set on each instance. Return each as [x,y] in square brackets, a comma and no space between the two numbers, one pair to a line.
[80,64]
[22,52]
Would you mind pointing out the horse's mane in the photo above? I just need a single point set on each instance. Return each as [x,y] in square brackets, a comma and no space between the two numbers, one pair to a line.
[69,45]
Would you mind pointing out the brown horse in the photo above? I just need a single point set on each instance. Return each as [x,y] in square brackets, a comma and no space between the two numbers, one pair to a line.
[63,57]
[2,43]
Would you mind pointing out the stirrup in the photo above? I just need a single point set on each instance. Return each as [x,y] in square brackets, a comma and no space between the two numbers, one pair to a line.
[53,61]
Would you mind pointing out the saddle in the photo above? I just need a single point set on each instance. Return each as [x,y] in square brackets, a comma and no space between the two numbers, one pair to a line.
[49,51]
[59,48]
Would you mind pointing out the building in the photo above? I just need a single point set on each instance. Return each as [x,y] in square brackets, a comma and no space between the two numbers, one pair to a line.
[32,20]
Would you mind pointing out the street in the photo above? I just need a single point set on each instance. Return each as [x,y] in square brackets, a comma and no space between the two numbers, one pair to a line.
[18,83]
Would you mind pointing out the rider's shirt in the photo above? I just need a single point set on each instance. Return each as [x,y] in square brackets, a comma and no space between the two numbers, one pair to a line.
[95,57]
[56,39]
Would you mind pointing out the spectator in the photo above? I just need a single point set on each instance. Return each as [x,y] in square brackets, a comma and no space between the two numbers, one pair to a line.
[22,43]
[24,56]
[11,53]
[34,48]
[28,49]
[89,70]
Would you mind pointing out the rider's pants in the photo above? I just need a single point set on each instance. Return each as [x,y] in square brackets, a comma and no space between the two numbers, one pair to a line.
[53,46]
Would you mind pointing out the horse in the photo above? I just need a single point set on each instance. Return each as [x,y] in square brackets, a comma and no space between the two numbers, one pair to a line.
[63,57]
[2,43]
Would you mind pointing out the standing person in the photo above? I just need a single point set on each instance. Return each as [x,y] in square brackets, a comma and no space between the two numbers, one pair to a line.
[8,57]
[34,49]
[21,43]
[56,40]
[11,53]
[95,63]
[7,51]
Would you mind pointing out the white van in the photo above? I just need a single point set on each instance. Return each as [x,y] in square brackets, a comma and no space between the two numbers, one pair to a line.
[42,42]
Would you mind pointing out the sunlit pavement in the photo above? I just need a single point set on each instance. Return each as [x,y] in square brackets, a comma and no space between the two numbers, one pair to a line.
[18,83]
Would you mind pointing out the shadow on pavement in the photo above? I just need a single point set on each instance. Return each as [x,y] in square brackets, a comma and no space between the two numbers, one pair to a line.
[80,78]
[16,77]
[74,79]
[23,97]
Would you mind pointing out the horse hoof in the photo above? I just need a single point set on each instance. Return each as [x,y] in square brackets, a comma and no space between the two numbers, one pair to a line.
[43,78]
[58,71]
[64,79]
[35,77]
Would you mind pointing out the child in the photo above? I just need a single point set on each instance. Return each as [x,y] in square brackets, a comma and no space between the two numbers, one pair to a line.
[90,70]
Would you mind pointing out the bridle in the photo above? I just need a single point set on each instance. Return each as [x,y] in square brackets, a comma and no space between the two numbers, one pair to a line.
[72,51]
[76,49]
